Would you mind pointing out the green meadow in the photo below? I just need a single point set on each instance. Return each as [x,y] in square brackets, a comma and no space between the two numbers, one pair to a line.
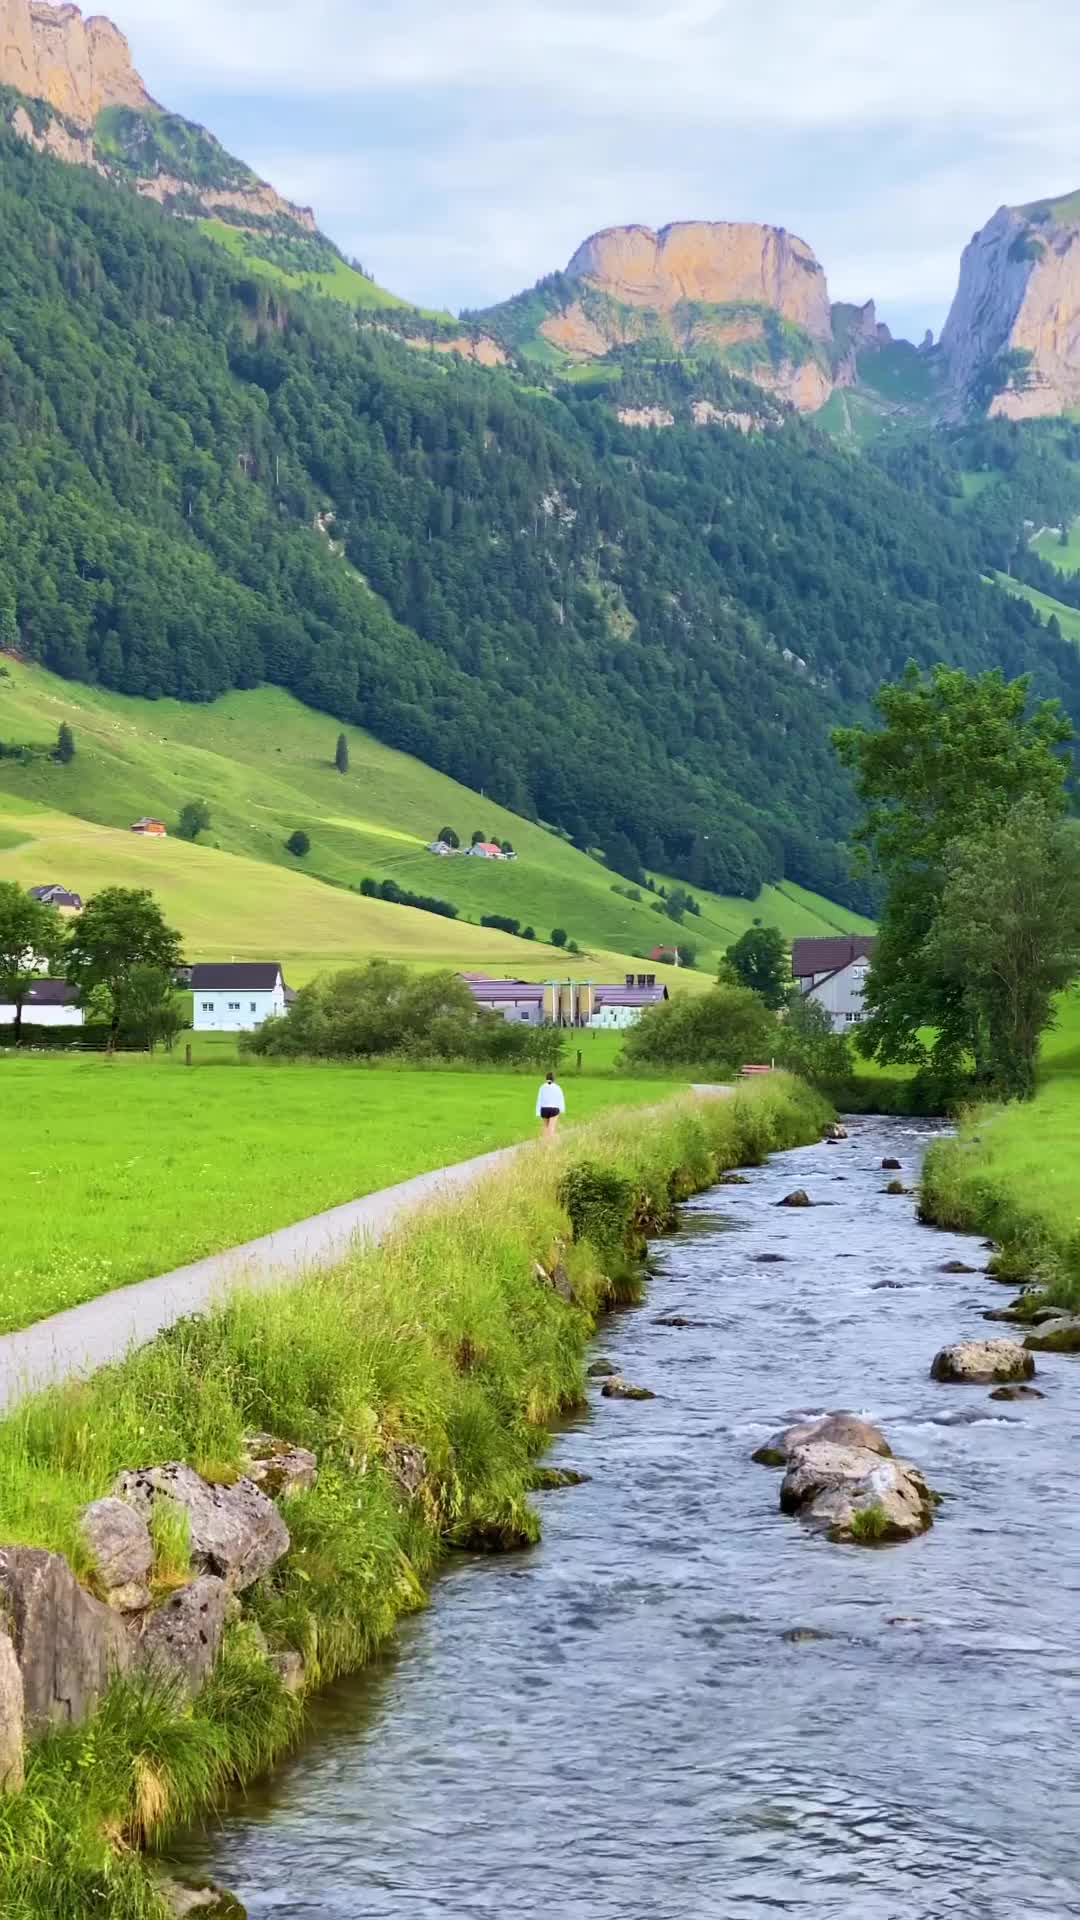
[264,764]
[118,1169]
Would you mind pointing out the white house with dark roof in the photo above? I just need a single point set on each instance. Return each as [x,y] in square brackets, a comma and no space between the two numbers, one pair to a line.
[833,972]
[49,1003]
[238,996]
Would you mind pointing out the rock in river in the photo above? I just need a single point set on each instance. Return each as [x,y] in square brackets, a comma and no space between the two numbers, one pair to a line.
[800,1198]
[956,1266]
[1015,1392]
[890,1166]
[982,1363]
[837,1429]
[853,1494]
[616,1388]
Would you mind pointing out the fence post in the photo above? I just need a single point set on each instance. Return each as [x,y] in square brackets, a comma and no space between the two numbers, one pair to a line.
[187,1054]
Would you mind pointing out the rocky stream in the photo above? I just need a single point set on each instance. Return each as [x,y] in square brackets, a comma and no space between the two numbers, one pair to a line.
[690,1704]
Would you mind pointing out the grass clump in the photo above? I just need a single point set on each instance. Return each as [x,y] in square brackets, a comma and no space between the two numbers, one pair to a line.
[870,1525]
[441,1349]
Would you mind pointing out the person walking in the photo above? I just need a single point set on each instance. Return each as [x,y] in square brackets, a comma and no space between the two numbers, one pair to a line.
[550,1104]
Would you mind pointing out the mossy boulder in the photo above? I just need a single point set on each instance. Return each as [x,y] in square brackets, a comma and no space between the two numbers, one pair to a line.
[1055,1336]
[835,1429]
[856,1496]
[982,1363]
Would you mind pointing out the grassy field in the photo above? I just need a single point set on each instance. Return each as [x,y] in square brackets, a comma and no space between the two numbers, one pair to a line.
[341,282]
[1012,1172]
[490,1362]
[264,763]
[116,1170]
[1067,617]
[1049,546]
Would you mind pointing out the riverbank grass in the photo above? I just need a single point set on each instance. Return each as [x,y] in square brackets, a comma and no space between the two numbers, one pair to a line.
[444,1349]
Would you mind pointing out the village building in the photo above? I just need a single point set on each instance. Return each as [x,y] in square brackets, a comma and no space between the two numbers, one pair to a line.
[832,972]
[66,903]
[150,829]
[567,1003]
[486,850]
[622,1007]
[237,997]
[49,1003]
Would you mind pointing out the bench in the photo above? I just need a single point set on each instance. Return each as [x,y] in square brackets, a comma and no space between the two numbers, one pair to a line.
[748,1072]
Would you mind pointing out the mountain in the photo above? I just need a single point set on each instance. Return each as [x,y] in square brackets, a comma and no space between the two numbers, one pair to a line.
[68,86]
[1012,340]
[207,483]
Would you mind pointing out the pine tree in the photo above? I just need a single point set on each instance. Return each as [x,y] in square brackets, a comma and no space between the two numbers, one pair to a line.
[65,744]
[341,755]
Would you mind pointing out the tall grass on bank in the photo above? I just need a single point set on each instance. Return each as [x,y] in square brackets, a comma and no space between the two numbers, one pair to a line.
[443,1340]
[1012,1173]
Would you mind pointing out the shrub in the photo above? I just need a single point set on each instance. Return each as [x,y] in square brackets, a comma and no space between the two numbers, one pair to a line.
[194,819]
[558,936]
[384,1008]
[298,843]
[720,1030]
[501,921]
[598,1202]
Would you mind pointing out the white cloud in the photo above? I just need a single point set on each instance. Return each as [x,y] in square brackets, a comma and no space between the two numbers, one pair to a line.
[464,150]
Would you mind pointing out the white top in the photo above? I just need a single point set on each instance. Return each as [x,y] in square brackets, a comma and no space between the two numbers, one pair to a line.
[550,1095]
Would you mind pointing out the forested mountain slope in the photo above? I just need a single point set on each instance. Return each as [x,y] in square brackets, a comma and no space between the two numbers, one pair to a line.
[205,484]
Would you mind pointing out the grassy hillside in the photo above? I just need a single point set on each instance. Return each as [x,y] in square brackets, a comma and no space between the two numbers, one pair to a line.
[264,764]
[1068,618]
[337,280]
[1048,545]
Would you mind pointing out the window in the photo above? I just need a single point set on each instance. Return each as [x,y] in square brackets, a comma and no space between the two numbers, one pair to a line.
[853,1019]
[234,1006]
[208,1006]
[254,1005]
[523,1016]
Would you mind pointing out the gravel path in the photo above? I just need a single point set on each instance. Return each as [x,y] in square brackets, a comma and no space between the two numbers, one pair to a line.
[73,1344]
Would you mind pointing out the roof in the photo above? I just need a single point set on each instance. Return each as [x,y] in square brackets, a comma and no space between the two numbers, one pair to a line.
[248,975]
[51,993]
[55,896]
[831,954]
[149,820]
[629,996]
[505,990]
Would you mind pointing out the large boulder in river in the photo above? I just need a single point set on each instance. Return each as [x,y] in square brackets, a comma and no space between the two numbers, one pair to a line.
[838,1429]
[117,1540]
[982,1363]
[800,1198]
[853,1494]
[616,1388]
[235,1532]
[1056,1336]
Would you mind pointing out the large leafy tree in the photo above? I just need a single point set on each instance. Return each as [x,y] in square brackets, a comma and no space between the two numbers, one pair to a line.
[1007,933]
[120,937]
[29,933]
[760,960]
[954,755]
[719,1030]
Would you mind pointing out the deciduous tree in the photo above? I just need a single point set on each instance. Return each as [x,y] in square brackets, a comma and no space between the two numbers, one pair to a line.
[760,960]
[120,931]
[29,932]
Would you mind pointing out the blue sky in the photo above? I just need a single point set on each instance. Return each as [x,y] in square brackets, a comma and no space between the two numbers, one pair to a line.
[462,150]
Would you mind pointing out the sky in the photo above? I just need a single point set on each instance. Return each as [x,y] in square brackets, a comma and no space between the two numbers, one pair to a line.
[460,151]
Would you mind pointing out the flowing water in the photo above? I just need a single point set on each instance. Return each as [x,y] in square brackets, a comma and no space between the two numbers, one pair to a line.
[685,1706]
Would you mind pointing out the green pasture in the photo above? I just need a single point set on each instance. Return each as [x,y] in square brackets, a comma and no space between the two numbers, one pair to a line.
[118,1169]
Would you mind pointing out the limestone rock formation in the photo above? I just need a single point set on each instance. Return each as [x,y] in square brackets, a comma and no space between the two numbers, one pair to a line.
[982,1363]
[68,1645]
[180,1640]
[235,1532]
[278,1468]
[712,262]
[118,1542]
[1012,338]
[81,68]
[12,1732]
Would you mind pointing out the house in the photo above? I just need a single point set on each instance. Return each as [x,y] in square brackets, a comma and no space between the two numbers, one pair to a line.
[440,847]
[49,1003]
[151,829]
[833,972]
[61,898]
[486,850]
[238,997]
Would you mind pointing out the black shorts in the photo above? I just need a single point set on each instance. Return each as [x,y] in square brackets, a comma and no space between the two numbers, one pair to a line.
[550,1113]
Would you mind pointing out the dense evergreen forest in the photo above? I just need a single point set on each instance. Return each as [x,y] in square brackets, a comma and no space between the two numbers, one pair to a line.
[643,637]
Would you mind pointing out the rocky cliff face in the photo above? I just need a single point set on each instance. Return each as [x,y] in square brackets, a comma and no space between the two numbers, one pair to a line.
[102,116]
[1012,339]
[79,66]
[708,262]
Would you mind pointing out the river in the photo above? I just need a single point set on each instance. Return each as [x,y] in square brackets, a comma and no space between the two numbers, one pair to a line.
[683,1705]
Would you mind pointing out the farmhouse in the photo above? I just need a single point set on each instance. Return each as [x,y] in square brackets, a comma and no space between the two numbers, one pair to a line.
[567,1003]
[65,902]
[49,1003]
[833,972]
[486,850]
[237,997]
[151,829]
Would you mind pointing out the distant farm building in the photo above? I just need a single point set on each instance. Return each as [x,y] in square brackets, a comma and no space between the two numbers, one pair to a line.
[440,847]
[833,972]
[486,850]
[61,898]
[49,1003]
[151,829]
[567,1003]
[238,997]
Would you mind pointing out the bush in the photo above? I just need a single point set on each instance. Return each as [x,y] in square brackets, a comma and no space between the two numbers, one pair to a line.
[383,1008]
[402,897]
[807,1045]
[501,921]
[298,843]
[194,819]
[720,1030]
[558,936]
[598,1202]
